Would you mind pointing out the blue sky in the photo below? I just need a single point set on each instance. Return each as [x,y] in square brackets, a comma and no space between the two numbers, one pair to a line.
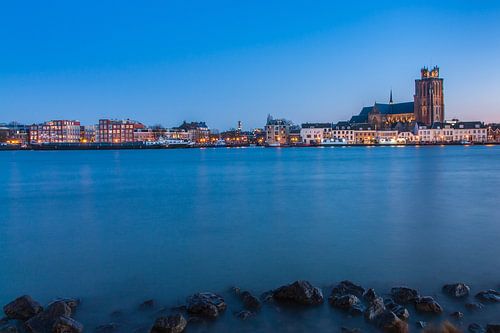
[224,61]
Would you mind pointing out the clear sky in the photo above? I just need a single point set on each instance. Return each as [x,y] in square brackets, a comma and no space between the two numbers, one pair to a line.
[224,60]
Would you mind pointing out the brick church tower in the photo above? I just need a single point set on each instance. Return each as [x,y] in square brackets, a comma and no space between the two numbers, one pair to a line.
[429,97]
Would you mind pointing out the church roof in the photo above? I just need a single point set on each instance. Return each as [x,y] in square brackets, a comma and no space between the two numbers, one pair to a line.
[395,108]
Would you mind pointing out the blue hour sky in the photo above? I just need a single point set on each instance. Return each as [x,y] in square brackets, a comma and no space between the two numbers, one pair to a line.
[223,60]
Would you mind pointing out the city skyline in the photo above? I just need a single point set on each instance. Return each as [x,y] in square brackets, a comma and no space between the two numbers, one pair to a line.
[190,62]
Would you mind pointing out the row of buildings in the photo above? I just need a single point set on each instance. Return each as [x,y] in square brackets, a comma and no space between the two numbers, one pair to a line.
[419,121]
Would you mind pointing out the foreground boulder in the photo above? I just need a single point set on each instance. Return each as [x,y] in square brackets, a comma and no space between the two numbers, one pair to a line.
[370,295]
[390,323]
[491,296]
[493,328]
[427,304]
[347,287]
[456,289]
[171,324]
[398,310]
[67,325]
[22,308]
[44,321]
[404,295]
[206,305]
[349,303]
[299,292]
[250,302]
[375,309]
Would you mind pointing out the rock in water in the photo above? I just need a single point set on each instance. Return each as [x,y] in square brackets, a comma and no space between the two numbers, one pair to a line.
[22,308]
[349,303]
[493,328]
[428,304]
[421,324]
[8,328]
[390,323]
[375,309]
[404,295]
[245,314]
[457,315]
[456,289]
[208,305]
[370,295]
[67,325]
[475,328]
[171,324]
[346,287]
[249,301]
[398,310]
[299,292]
[44,321]
[474,306]
[491,296]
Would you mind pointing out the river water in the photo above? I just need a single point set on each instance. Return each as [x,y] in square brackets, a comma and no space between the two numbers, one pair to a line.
[118,227]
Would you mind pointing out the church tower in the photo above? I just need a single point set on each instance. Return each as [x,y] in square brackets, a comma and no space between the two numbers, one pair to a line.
[429,97]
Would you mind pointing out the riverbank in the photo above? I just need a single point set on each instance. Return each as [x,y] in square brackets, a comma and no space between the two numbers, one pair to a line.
[398,310]
[132,146]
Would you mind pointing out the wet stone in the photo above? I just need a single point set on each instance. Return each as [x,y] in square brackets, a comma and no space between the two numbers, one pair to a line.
[22,308]
[299,292]
[493,328]
[347,287]
[171,324]
[404,295]
[398,310]
[428,304]
[208,305]
[244,315]
[456,289]
[65,324]
[475,328]
[349,303]
[491,296]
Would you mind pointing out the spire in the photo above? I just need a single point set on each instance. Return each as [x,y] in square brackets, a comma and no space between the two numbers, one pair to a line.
[390,100]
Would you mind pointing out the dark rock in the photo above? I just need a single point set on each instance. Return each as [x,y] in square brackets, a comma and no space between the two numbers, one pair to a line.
[349,303]
[404,295]
[491,296]
[428,304]
[299,292]
[456,289]
[65,324]
[206,305]
[421,324]
[474,306]
[73,303]
[171,324]
[147,305]
[245,314]
[457,315]
[398,310]
[493,328]
[107,328]
[390,323]
[8,328]
[350,330]
[375,309]
[267,296]
[249,301]
[370,295]
[347,288]
[22,308]
[475,328]
[45,320]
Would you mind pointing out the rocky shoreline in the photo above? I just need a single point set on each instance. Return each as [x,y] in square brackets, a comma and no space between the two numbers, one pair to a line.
[390,314]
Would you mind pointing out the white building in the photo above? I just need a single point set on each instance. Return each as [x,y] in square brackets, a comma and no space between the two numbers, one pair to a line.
[314,133]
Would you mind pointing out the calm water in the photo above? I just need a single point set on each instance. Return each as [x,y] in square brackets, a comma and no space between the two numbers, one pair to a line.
[118,227]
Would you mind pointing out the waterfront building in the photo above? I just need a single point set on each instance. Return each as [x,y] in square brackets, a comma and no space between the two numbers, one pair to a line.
[314,133]
[197,131]
[117,131]
[176,134]
[386,135]
[88,133]
[408,137]
[55,131]
[364,133]
[343,131]
[493,133]
[144,135]
[471,131]
[14,133]
[429,97]
[277,131]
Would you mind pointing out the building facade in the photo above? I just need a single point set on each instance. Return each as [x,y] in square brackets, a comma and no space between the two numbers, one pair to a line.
[343,131]
[466,131]
[117,131]
[429,97]
[277,131]
[314,133]
[55,131]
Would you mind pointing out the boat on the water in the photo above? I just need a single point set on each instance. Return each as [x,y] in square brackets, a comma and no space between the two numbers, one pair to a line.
[334,142]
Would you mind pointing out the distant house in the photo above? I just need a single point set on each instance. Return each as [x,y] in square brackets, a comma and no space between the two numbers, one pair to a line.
[314,133]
